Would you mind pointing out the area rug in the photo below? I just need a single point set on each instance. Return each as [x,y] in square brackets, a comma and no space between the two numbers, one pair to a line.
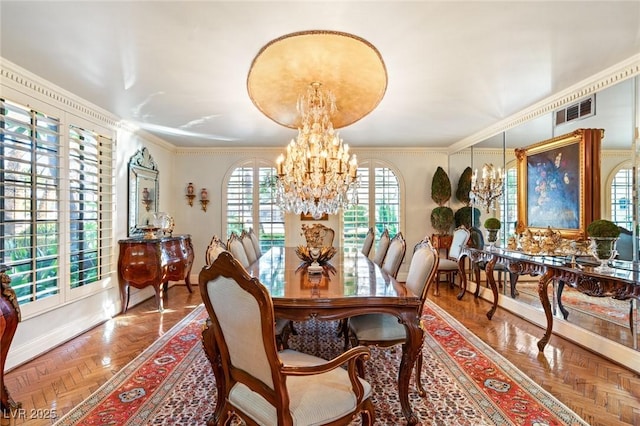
[467,382]
[605,308]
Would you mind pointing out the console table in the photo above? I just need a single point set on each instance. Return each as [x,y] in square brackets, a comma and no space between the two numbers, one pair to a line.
[622,283]
[144,262]
[9,318]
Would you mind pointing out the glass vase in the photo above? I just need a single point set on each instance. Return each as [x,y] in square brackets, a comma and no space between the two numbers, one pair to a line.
[604,250]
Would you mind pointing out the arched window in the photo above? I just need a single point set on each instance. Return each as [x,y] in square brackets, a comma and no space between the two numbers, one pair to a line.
[253,206]
[378,205]
[621,188]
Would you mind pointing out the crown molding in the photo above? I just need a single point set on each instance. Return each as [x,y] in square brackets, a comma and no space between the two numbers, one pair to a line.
[615,74]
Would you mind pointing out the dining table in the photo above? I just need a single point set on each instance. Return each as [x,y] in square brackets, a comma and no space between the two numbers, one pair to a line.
[349,284]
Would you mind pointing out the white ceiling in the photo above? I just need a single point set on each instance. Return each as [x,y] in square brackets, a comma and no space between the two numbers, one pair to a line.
[179,68]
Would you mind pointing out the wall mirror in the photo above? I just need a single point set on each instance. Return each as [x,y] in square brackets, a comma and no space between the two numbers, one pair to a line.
[615,112]
[143,191]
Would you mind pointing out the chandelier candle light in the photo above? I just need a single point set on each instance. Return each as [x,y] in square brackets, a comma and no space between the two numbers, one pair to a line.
[487,190]
[316,175]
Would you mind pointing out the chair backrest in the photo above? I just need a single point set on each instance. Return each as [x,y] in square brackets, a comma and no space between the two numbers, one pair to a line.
[624,245]
[395,255]
[242,320]
[382,247]
[256,242]
[476,239]
[247,243]
[215,247]
[318,235]
[460,238]
[235,246]
[368,242]
[423,269]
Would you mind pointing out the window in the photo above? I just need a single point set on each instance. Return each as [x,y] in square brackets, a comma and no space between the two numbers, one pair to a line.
[378,205]
[90,195]
[56,216]
[509,207]
[621,197]
[29,197]
[243,198]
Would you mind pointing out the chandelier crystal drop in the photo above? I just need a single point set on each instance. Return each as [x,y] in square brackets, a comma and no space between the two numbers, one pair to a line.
[486,190]
[316,175]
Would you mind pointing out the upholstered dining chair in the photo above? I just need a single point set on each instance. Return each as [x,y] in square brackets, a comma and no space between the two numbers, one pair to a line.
[385,330]
[235,246]
[477,241]
[256,382]
[367,244]
[449,264]
[318,235]
[395,255]
[249,249]
[256,242]
[382,247]
[215,247]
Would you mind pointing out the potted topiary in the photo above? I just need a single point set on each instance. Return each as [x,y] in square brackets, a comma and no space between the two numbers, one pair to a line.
[603,235]
[492,225]
[441,216]
[466,216]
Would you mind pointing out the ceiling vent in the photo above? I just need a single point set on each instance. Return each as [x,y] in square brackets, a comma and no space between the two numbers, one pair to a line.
[584,108]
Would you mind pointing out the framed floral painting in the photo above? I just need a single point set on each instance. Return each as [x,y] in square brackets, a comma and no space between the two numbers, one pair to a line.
[559,183]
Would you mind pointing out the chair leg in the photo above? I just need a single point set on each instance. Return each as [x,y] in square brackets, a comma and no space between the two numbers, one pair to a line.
[344,330]
[421,390]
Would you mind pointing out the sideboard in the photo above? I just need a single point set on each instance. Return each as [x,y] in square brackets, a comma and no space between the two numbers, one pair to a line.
[9,318]
[144,262]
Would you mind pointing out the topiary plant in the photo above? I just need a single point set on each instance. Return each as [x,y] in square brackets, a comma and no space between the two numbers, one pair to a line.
[464,187]
[492,223]
[442,219]
[440,187]
[464,215]
[603,228]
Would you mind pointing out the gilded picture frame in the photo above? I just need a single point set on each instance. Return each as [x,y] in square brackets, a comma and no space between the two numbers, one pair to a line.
[559,183]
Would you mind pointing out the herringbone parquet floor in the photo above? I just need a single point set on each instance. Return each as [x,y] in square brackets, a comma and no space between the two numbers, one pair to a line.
[601,392]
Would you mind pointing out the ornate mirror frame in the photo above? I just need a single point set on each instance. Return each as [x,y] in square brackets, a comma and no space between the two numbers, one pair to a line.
[143,191]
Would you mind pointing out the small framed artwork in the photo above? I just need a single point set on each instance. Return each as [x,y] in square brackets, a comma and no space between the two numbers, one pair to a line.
[308,216]
[559,183]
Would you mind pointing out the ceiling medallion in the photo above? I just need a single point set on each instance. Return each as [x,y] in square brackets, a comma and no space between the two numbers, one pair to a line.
[346,65]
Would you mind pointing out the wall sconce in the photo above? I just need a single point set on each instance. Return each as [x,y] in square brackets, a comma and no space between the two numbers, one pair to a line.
[204,198]
[190,194]
[146,199]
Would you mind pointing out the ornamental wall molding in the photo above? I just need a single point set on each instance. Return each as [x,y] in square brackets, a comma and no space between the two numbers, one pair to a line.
[609,77]
[30,84]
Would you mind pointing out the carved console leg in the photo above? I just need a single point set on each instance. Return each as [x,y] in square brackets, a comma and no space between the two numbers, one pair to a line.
[543,283]
[463,276]
[492,283]
[564,311]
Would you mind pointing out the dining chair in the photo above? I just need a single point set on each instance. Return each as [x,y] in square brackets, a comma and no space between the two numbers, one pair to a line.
[382,247]
[385,330]
[258,383]
[368,242]
[449,264]
[247,243]
[235,246]
[318,235]
[256,242]
[395,255]
[215,247]
[476,240]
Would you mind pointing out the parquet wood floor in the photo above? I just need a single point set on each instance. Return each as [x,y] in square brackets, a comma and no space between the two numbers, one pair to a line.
[601,392]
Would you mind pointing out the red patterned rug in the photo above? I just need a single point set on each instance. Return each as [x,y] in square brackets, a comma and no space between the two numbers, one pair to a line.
[467,382]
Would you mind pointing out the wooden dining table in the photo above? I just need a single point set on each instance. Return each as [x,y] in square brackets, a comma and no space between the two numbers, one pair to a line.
[349,284]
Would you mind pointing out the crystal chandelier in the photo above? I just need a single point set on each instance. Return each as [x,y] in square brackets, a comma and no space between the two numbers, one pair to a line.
[488,189]
[316,175]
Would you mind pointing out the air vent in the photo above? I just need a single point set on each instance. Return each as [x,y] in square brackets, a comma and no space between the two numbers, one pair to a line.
[584,108]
